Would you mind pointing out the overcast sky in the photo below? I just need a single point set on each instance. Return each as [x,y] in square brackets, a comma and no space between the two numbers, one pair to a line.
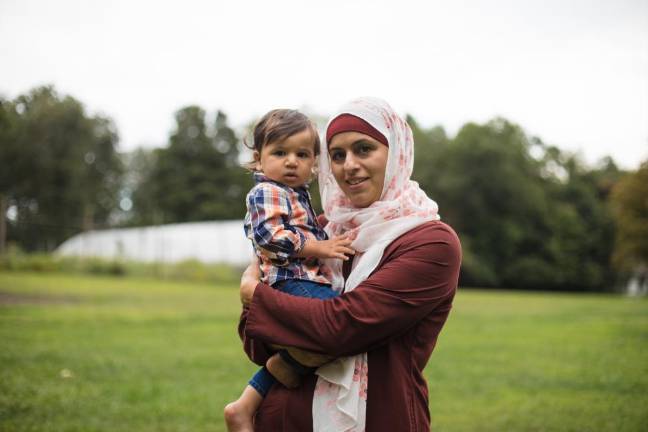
[574,73]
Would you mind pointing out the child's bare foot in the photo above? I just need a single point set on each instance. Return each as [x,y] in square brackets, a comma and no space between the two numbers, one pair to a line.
[282,371]
[239,414]
[237,419]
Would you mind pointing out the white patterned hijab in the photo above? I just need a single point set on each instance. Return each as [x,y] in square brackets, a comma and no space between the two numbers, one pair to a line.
[339,402]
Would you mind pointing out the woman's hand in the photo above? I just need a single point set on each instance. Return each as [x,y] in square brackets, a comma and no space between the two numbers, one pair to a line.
[249,281]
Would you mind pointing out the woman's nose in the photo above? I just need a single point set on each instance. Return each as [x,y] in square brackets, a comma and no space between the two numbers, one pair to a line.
[350,162]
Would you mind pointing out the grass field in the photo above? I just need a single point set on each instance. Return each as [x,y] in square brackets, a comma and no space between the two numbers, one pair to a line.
[84,353]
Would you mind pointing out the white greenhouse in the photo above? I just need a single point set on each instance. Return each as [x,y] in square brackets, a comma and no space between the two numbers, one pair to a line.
[210,242]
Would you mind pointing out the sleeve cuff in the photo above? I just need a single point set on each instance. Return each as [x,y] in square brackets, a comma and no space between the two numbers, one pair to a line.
[302,243]
[255,310]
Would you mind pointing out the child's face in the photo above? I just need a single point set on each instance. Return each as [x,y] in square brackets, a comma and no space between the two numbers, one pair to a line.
[288,161]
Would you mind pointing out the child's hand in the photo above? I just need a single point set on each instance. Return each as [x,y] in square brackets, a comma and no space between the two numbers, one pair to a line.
[337,247]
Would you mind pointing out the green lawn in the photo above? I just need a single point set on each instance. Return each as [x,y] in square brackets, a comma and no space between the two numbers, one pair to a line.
[85,353]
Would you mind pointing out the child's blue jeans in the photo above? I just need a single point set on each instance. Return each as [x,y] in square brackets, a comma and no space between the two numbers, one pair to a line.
[263,380]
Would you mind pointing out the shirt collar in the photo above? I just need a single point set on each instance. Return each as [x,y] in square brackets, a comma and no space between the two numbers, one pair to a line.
[259,177]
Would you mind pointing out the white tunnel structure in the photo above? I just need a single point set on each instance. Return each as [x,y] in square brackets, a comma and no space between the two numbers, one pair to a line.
[210,242]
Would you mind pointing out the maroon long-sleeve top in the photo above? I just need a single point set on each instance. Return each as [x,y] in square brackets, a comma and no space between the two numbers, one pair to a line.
[395,316]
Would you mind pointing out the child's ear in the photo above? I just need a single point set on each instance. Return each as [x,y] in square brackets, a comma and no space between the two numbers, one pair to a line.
[257,160]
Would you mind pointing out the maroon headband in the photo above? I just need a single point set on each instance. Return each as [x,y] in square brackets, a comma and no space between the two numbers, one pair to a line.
[351,123]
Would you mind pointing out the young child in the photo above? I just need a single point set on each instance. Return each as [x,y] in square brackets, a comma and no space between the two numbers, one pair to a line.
[287,239]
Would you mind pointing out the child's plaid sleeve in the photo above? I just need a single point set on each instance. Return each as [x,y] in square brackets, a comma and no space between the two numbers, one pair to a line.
[270,212]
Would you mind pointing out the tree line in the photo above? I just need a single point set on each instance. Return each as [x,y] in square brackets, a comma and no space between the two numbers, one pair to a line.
[529,215]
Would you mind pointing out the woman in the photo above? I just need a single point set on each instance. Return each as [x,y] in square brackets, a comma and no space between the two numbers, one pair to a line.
[397,295]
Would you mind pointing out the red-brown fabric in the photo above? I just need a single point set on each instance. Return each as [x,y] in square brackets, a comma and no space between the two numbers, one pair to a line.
[351,123]
[395,316]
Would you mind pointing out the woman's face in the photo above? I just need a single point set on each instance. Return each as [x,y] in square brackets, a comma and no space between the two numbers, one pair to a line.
[358,163]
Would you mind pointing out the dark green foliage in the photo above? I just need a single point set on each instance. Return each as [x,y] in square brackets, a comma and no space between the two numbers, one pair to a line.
[583,225]
[140,165]
[197,177]
[61,172]
[533,222]
[630,203]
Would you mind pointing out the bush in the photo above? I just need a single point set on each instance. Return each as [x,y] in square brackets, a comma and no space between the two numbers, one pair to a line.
[475,272]
[190,270]
[532,273]
[103,266]
[16,260]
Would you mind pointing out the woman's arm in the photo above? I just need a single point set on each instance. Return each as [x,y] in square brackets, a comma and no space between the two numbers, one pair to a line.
[260,352]
[256,350]
[417,276]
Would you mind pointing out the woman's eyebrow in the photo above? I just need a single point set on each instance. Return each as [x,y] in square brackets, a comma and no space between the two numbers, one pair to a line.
[362,141]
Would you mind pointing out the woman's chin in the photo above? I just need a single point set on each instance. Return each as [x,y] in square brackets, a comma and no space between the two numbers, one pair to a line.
[361,200]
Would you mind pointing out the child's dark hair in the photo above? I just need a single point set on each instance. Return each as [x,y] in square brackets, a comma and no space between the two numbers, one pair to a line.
[280,124]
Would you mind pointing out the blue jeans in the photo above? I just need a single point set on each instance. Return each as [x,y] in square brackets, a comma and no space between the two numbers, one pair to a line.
[263,380]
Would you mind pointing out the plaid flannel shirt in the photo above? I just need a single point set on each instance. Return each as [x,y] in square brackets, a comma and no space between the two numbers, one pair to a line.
[279,219]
